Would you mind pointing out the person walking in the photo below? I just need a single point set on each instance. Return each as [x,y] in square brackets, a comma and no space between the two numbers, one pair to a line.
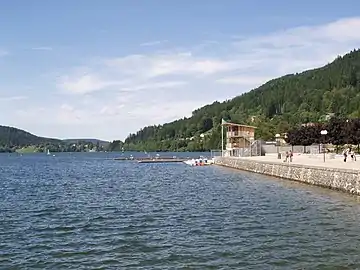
[345,154]
[352,155]
[291,156]
[286,156]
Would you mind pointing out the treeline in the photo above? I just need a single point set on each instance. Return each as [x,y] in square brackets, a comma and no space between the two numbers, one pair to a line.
[79,146]
[199,133]
[168,145]
[274,107]
[340,131]
[62,147]
[10,136]
[14,139]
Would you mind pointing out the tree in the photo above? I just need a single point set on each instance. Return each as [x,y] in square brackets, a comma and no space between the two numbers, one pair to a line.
[336,132]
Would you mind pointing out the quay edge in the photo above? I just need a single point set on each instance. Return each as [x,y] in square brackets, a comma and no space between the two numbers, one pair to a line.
[334,178]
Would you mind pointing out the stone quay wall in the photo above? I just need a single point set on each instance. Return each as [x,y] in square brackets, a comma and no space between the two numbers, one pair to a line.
[333,178]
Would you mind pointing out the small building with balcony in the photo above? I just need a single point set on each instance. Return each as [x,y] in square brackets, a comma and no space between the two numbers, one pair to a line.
[238,138]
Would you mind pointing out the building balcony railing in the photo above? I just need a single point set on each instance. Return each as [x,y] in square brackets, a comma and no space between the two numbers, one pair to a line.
[239,134]
[236,145]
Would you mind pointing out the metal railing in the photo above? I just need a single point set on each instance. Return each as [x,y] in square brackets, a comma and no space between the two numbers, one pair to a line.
[254,149]
[215,153]
[244,134]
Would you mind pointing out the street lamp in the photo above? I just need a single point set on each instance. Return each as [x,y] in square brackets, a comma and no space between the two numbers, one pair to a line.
[277,139]
[324,133]
[250,143]
[285,137]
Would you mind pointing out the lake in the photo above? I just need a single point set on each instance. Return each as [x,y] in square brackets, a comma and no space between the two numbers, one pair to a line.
[87,211]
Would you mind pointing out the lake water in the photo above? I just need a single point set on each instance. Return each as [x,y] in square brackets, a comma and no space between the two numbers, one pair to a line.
[87,211]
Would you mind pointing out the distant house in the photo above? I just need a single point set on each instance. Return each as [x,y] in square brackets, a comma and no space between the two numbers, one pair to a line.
[308,124]
[238,137]
[326,117]
[253,118]
[282,138]
[329,116]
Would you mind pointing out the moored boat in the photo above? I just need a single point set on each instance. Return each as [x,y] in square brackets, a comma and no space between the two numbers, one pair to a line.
[199,161]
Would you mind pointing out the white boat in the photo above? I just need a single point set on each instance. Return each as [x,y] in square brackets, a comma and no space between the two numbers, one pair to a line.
[48,153]
[199,161]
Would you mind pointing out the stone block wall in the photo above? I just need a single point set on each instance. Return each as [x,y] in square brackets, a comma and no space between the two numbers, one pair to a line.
[339,179]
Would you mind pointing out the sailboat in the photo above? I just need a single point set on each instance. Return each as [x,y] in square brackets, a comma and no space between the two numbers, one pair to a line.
[48,153]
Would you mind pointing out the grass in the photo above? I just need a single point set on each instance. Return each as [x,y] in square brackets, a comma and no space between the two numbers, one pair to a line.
[28,149]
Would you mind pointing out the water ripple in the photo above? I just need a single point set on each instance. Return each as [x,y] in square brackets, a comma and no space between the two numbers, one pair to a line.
[86,211]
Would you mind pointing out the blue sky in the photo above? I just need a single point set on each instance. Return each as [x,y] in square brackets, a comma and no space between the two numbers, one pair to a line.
[107,68]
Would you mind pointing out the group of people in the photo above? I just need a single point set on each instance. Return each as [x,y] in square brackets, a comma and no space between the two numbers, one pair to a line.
[349,152]
[288,156]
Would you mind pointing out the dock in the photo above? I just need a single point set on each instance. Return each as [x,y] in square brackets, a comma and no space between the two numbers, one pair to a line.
[123,158]
[152,159]
[162,160]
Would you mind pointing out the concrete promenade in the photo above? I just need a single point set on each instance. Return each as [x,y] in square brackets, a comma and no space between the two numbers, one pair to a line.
[313,161]
[334,173]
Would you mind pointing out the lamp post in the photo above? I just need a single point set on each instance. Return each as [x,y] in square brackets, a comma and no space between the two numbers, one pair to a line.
[324,133]
[347,128]
[277,139]
[250,150]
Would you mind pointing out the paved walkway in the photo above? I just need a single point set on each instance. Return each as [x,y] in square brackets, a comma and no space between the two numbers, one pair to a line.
[314,160]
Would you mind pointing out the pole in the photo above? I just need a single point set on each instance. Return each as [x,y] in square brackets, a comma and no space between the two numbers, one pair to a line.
[222,140]
[249,147]
[278,152]
[323,133]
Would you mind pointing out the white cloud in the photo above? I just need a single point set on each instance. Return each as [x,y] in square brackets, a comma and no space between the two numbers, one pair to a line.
[86,83]
[153,43]
[156,65]
[249,81]
[30,114]
[3,52]
[163,111]
[118,95]
[43,48]
[139,72]
[12,98]
[154,85]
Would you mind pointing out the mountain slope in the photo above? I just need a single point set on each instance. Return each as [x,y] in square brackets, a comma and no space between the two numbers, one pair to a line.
[14,136]
[14,139]
[273,107]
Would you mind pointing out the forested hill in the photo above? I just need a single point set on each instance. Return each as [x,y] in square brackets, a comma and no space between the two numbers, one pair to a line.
[15,136]
[93,141]
[273,107]
[14,139]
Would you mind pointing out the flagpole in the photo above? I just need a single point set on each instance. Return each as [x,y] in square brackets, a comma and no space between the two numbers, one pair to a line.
[222,139]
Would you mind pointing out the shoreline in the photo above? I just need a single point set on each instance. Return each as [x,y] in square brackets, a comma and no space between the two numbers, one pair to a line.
[336,178]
